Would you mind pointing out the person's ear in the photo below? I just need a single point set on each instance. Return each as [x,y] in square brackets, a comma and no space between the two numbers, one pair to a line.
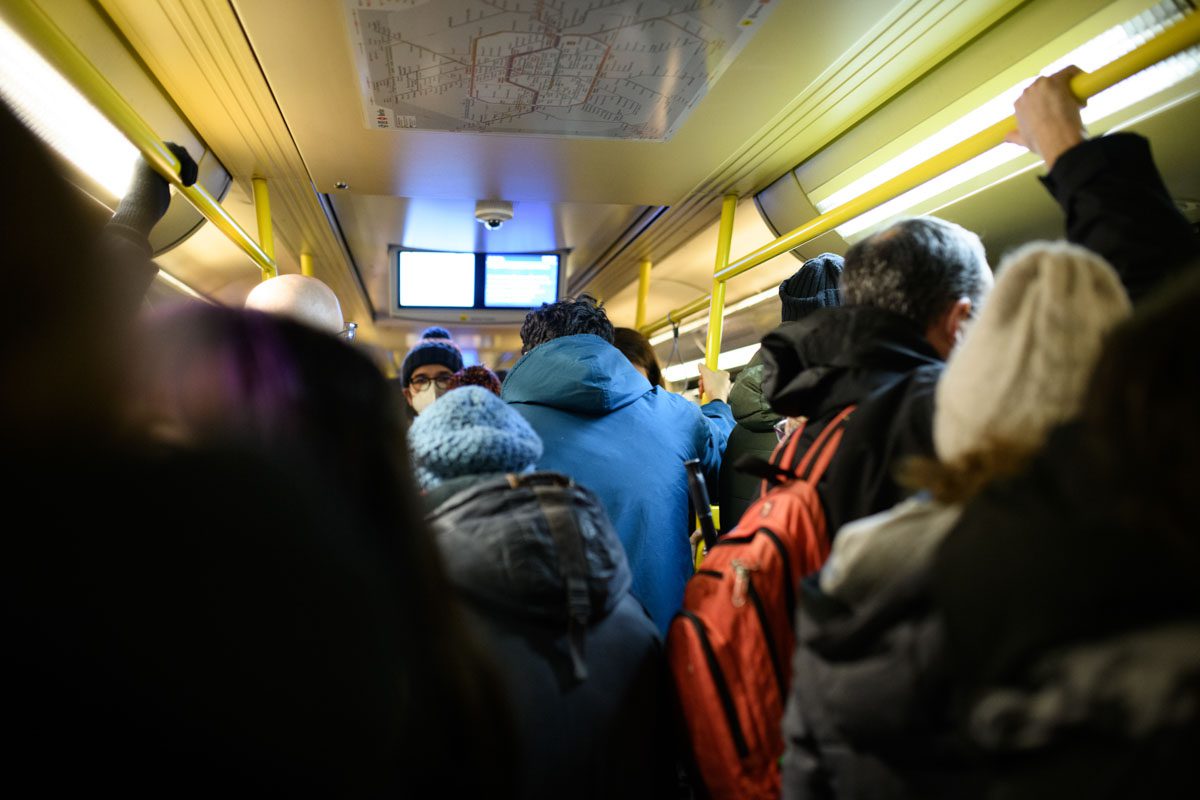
[408,394]
[948,330]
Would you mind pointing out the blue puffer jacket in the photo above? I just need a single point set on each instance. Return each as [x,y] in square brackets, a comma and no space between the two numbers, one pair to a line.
[603,425]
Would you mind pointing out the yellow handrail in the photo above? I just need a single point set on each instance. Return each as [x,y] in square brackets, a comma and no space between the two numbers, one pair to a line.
[46,37]
[262,212]
[1179,37]
[717,306]
[643,294]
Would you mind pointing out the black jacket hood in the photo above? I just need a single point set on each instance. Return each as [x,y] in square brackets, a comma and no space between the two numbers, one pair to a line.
[838,356]
[499,550]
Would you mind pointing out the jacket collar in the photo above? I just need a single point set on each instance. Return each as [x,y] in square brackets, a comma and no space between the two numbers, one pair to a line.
[838,356]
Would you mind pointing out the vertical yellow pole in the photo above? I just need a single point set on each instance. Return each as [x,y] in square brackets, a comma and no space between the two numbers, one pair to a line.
[262,209]
[306,264]
[716,310]
[643,292]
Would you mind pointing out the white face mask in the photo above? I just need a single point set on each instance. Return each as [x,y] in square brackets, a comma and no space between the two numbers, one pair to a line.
[423,398]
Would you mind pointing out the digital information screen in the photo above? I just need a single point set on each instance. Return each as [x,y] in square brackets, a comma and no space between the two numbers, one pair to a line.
[520,281]
[436,280]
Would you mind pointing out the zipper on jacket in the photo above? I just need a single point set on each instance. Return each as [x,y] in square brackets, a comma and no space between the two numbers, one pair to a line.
[772,650]
[718,677]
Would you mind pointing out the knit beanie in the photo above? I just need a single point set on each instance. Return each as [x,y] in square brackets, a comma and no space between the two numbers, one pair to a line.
[471,431]
[1025,361]
[477,375]
[301,298]
[815,285]
[435,347]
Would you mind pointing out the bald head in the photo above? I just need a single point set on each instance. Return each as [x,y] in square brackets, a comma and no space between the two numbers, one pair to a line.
[301,298]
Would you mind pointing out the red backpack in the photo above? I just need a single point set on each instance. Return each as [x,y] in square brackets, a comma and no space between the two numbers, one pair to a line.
[730,647]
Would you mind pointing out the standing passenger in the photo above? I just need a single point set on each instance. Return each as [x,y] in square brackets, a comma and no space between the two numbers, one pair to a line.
[542,570]
[426,369]
[606,427]
[813,286]
[909,290]
[637,348]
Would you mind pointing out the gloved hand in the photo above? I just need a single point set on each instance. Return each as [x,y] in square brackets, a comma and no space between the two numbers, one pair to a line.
[149,193]
[715,384]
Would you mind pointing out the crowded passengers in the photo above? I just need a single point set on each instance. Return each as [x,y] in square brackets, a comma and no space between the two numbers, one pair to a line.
[241,559]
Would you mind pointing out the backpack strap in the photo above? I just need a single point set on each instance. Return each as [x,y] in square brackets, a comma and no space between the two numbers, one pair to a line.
[817,459]
[783,458]
[568,544]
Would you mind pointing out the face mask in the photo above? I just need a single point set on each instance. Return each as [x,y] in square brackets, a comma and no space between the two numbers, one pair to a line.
[424,398]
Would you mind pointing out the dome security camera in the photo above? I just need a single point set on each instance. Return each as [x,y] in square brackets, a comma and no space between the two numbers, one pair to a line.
[493,213]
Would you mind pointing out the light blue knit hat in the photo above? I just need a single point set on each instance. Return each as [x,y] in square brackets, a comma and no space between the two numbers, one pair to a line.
[470,431]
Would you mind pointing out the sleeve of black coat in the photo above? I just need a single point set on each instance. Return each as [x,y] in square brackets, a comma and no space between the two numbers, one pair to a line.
[1117,205]
[127,260]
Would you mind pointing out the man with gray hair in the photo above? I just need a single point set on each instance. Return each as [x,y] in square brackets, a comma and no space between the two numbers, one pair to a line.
[909,291]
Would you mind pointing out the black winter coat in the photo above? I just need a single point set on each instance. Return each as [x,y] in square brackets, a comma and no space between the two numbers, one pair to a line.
[865,356]
[597,726]
[753,435]
[1117,206]
[870,706]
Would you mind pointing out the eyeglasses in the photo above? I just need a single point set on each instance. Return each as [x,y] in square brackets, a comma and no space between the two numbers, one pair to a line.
[420,382]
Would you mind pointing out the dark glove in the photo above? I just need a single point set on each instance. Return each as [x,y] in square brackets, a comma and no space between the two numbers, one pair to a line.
[149,194]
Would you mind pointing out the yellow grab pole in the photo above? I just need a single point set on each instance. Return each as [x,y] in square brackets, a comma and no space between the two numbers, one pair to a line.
[1179,37]
[262,211]
[716,308]
[643,294]
[306,264]
[46,37]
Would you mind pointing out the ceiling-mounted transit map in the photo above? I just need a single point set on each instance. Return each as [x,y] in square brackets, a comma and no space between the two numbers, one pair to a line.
[613,69]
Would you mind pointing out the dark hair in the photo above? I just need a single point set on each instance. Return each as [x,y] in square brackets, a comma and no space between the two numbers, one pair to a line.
[638,350]
[584,314]
[284,388]
[917,268]
[1140,415]
[477,375]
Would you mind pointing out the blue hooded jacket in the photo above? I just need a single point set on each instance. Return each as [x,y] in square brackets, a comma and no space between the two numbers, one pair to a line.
[604,425]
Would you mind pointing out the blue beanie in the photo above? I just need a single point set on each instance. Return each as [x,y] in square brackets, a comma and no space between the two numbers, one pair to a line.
[470,431]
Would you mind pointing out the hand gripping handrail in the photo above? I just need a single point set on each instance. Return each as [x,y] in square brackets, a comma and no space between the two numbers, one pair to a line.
[1179,37]
[49,40]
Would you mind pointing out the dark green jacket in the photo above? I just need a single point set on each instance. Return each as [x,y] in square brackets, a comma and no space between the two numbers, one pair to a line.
[754,434]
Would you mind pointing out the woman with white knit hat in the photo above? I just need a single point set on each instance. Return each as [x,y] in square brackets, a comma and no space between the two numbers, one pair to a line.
[866,684]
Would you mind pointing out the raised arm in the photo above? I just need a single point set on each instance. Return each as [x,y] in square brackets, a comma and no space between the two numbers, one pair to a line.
[127,235]
[1113,196]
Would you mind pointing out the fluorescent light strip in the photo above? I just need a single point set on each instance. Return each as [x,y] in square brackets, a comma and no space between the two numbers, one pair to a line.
[727,360]
[60,116]
[1109,45]
[745,302]
[179,285]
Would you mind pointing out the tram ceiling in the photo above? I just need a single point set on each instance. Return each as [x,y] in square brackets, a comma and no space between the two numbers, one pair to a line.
[305,49]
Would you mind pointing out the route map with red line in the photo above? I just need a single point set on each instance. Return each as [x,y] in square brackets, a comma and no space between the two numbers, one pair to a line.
[609,69]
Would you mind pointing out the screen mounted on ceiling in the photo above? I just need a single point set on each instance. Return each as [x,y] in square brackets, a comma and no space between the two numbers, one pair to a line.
[512,281]
[432,280]
[435,280]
